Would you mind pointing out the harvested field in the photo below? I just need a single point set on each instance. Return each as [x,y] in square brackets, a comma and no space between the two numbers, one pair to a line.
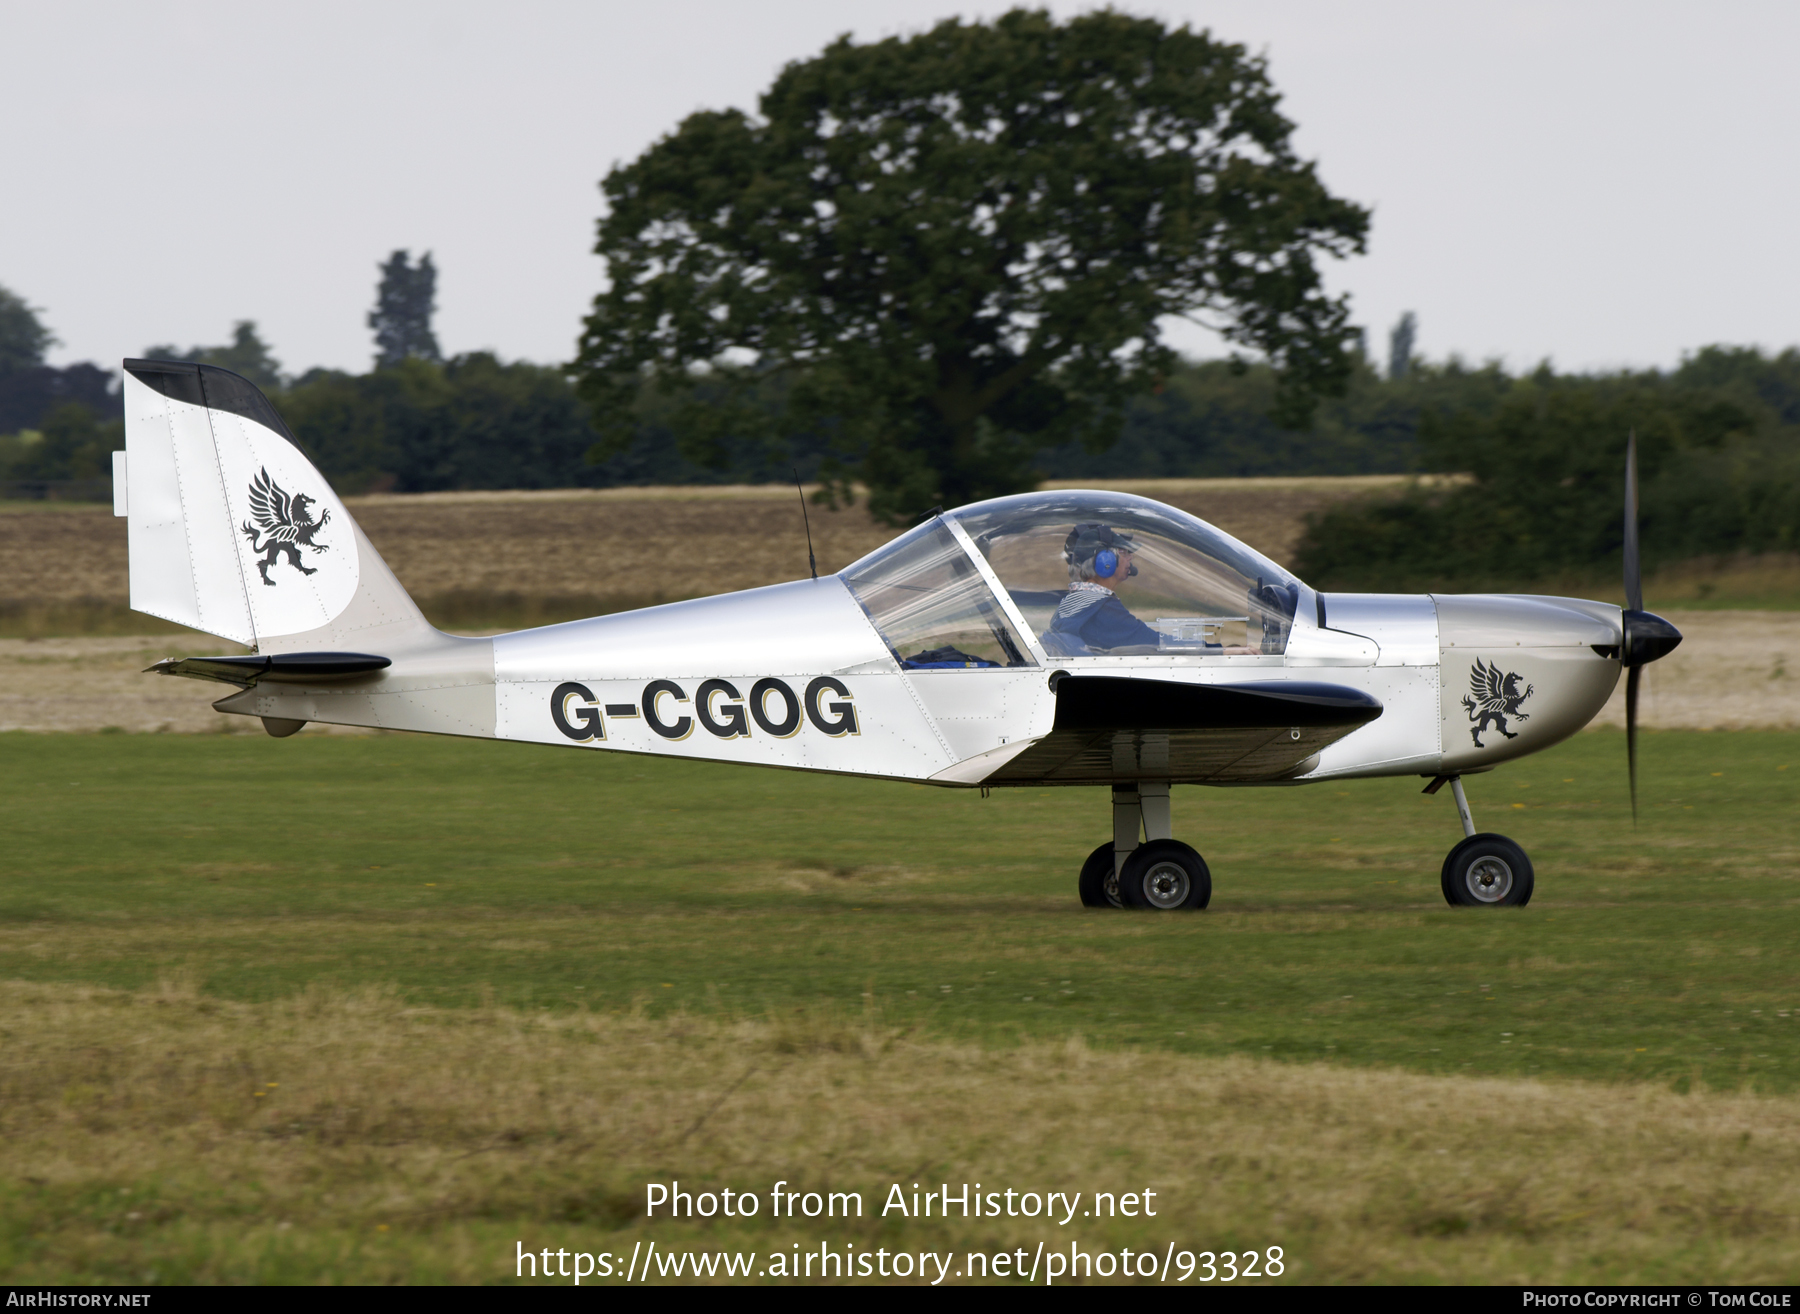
[167,1136]
[504,560]
[96,683]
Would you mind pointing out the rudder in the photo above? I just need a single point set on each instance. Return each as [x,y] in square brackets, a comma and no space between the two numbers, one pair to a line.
[233,530]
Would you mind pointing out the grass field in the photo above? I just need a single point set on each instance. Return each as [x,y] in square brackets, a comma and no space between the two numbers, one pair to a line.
[374,1008]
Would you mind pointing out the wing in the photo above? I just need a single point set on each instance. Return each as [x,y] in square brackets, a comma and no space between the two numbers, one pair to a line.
[1109,729]
[1484,683]
[268,504]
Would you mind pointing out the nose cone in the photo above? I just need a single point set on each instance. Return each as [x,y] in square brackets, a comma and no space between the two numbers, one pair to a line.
[1647,638]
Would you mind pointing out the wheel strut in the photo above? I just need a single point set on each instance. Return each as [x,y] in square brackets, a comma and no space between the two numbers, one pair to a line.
[1149,868]
[1487,870]
[1462,805]
[1462,800]
[1139,808]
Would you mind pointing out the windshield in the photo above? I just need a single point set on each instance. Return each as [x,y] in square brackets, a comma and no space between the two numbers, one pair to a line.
[1107,574]
[931,605]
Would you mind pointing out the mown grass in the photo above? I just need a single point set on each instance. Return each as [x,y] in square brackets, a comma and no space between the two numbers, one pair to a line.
[458,872]
[341,1136]
[497,984]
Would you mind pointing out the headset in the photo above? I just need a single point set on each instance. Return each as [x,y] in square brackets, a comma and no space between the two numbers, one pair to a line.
[1106,560]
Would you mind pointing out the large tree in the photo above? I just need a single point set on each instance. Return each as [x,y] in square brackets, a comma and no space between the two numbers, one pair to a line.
[958,247]
[404,304]
[23,337]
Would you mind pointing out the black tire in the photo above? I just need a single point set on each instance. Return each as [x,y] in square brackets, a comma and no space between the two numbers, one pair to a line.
[1487,871]
[1165,876]
[1097,886]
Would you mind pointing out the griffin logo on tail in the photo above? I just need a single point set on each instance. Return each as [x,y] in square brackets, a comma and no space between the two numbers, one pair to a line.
[1493,697]
[286,523]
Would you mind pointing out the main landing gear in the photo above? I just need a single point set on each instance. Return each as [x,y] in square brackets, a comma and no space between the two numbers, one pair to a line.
[1484,871]
[1161,873]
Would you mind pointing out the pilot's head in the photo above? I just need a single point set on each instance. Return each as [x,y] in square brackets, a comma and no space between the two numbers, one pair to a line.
[1099,554]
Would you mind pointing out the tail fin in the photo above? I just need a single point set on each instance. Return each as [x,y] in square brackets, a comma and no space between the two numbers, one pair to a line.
[233,531]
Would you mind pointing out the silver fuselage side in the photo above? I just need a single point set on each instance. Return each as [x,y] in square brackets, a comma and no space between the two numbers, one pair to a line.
[795,675]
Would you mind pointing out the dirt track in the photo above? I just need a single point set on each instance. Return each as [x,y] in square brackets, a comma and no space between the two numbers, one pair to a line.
[1734,670]
[503,560]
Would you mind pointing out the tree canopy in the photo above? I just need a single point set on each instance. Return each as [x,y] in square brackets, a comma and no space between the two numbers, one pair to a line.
[404,304]
[74,443]
[1718,463]
[470,422]
[247,354]
[23,337]
[29,389]
[958,246]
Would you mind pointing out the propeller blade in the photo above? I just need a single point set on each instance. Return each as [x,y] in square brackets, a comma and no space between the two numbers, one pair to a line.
[1631,700]
[1634,581]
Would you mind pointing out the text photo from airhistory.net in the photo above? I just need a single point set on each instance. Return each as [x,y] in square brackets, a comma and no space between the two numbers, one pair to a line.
[913,645]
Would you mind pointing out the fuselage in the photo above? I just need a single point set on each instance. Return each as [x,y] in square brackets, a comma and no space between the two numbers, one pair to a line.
[796,675]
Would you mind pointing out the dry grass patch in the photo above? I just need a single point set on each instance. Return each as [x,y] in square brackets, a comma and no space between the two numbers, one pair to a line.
[1734,670]
[1772,579]
[344,1136]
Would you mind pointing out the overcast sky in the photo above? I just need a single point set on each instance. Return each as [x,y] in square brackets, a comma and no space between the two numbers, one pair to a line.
[1600,184]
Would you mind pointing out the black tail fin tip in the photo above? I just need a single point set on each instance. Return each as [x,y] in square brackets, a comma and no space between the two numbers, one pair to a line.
[210,386]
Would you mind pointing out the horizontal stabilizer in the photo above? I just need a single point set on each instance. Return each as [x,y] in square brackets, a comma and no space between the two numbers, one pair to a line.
[246,671]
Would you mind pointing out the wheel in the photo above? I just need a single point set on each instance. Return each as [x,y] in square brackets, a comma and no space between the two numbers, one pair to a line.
[1099,885]
[1165,875]
[1487,871]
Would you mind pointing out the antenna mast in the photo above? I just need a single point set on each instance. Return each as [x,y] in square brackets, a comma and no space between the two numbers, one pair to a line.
[807,521]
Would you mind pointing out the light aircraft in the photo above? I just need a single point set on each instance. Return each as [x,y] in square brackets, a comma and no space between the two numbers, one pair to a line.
[1052,638]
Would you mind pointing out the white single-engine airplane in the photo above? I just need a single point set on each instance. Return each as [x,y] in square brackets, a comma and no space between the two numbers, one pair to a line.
[1056,638]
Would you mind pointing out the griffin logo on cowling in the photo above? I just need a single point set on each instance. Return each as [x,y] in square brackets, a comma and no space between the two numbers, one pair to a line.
[1493,697]
[285,520]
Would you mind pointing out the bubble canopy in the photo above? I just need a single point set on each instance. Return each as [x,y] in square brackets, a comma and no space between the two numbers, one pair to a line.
[1088,573]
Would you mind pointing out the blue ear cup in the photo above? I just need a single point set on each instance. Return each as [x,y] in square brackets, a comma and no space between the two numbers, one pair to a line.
[1106,563]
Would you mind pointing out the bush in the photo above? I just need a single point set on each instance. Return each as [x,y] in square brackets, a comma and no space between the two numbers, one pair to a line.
[1719,471]
[472,422]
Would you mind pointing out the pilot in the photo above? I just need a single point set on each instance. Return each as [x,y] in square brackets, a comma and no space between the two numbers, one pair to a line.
[1091,615]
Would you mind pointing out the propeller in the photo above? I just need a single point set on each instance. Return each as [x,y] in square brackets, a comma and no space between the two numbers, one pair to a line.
[1647,636]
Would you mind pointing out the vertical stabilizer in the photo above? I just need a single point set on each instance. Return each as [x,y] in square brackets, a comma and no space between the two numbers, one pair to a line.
[233,531]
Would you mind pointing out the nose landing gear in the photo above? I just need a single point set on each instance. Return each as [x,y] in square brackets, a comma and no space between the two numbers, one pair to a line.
[1161,874]
[1484,871]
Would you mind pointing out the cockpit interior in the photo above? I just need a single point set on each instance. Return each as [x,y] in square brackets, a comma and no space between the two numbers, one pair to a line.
[1071,576]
